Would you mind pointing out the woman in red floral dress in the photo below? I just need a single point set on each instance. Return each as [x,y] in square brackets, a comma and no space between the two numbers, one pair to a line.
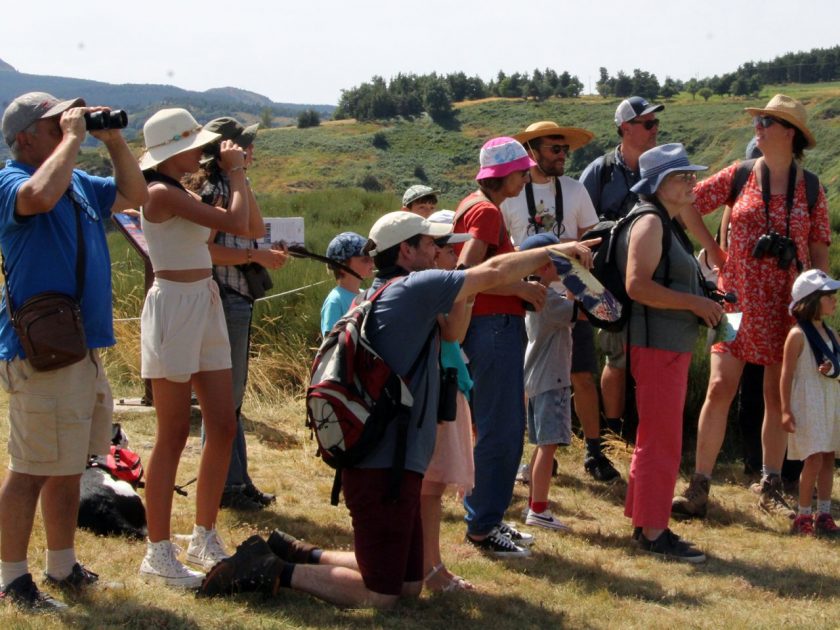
[762,285]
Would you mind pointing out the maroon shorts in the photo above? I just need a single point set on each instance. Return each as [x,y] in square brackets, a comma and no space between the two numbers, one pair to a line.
[388,535]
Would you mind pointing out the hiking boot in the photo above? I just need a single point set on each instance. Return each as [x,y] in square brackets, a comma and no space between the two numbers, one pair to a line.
[161,563]
[694,499]
[23,593]
[255,494]
[545,520]
[669,546]
[803,525]
[771,499]
[825,525]
[252,568]
[519,538]
[600,468]
[205,548]
[79,578]
[290,549]
[237,499]
[499,545]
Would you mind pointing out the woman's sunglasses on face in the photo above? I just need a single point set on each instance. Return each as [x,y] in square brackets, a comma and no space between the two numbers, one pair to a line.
[768,121]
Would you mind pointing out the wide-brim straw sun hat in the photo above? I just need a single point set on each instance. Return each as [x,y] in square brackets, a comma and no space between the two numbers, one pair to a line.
[791,111]
[575,137]
[170,132]
[502,156]
[657,163]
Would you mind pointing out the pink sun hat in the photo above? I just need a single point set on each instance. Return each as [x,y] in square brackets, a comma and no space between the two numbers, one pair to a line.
[502,156]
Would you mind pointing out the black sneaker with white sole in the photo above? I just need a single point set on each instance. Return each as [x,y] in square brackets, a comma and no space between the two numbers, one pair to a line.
[499,545]
[522,539]
[669,546]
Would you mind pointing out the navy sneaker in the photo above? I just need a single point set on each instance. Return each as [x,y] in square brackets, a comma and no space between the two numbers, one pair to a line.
[79,578]
[600,468]
[519,538]
[499,545]
[669,546]
[23,593]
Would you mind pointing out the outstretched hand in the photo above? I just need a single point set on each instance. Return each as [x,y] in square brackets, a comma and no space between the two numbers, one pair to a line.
[579,250]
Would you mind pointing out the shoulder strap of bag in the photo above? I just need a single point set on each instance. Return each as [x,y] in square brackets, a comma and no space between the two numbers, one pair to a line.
[532,205]
[80,259]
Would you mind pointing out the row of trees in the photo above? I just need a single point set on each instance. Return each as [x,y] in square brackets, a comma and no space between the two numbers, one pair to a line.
[817,65]
[410,95]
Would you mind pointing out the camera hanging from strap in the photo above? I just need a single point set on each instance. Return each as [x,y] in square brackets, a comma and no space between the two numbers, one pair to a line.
[558,208]
[765,195]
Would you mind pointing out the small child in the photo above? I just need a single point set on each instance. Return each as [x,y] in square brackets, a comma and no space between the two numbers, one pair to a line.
[346,248]
[548,360]
[811,397]
[421,200]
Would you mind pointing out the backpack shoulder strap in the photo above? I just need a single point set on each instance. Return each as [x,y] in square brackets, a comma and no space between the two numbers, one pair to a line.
[468,202]
[607,169]
[742,174]
[812,189]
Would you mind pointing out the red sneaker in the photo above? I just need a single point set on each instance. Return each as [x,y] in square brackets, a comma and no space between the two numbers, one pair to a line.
[826,526]
[803,525]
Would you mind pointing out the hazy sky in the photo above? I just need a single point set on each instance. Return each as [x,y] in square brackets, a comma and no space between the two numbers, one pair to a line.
[306,51]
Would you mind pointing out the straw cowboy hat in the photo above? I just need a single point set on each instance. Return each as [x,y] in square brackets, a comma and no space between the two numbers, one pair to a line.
[791,111]
[170,132]
[575,137]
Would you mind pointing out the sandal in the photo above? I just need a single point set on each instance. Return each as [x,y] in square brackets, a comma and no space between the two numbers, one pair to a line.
[451,582]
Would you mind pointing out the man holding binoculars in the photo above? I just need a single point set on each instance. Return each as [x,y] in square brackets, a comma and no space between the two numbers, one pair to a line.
[53,242]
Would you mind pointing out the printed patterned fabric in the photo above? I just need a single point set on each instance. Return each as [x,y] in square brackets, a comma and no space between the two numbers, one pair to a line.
[762,288]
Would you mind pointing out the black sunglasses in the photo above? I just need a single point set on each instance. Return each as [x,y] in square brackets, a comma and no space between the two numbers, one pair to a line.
[557,149]
[647,124]
[768,121]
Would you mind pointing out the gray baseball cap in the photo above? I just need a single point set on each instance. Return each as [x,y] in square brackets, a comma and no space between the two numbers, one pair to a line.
[32,106]
[633,107]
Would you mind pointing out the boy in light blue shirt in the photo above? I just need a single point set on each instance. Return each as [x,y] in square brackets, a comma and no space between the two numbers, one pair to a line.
[346,248]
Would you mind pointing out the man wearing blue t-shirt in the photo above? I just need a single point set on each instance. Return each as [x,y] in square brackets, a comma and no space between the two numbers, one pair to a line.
[56,418]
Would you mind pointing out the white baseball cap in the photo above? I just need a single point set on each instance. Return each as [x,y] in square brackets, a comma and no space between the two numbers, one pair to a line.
[809,282]
[396,227]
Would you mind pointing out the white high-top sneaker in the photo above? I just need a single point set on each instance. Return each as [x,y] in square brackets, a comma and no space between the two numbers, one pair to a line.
[161,563]
[206,549]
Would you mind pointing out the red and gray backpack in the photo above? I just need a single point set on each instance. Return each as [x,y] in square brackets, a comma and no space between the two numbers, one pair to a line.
[354,395]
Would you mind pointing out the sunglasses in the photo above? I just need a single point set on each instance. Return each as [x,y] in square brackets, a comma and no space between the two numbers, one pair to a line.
[81,202]
[768,121]
[557,149]
[647,124]
[688,178]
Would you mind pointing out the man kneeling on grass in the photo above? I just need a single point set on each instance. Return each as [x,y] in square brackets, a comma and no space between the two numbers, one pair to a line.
[388,559]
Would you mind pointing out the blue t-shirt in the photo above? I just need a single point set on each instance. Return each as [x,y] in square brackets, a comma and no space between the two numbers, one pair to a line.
[40,252]
[403,318]
[614,199]
[336,304]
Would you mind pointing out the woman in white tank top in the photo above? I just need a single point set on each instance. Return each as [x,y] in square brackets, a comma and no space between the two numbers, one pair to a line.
[184,338]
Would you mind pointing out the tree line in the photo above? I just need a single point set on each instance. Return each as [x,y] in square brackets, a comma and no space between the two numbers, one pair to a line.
[815,66]
[410,95]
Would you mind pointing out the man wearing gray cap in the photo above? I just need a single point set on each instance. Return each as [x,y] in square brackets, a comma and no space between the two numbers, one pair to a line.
[608,180]
[51,234]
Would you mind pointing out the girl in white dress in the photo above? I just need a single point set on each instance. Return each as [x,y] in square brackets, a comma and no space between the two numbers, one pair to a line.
[811,397]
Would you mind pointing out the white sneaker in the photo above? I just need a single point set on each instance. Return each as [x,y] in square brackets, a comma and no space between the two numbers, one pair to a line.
[161,563]
[206,549]
[545,520]
[523,539]
[523,475]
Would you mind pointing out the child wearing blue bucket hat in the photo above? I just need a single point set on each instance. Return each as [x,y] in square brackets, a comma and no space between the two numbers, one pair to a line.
[347,249]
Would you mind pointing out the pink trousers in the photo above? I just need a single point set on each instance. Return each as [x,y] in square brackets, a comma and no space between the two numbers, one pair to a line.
[661,383]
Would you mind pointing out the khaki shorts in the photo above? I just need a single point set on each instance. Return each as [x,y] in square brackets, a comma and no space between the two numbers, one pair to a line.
[183,330]
[612,345]
[58,418]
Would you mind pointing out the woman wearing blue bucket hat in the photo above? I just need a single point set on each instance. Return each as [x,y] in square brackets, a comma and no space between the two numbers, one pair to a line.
[662,278]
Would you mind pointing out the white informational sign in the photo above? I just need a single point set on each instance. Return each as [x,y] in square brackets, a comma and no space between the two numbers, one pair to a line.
[286,229]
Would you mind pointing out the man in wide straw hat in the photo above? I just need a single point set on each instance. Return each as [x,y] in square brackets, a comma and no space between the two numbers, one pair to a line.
[552,202]
[57,418]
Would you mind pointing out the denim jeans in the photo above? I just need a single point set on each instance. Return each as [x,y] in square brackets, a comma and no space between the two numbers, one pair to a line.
[238,319]
[495,345]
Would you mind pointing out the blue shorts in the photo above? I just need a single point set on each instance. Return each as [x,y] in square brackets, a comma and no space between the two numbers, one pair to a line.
[550,417]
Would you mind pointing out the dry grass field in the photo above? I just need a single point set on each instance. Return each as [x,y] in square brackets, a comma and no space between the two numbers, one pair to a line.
[757,575]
